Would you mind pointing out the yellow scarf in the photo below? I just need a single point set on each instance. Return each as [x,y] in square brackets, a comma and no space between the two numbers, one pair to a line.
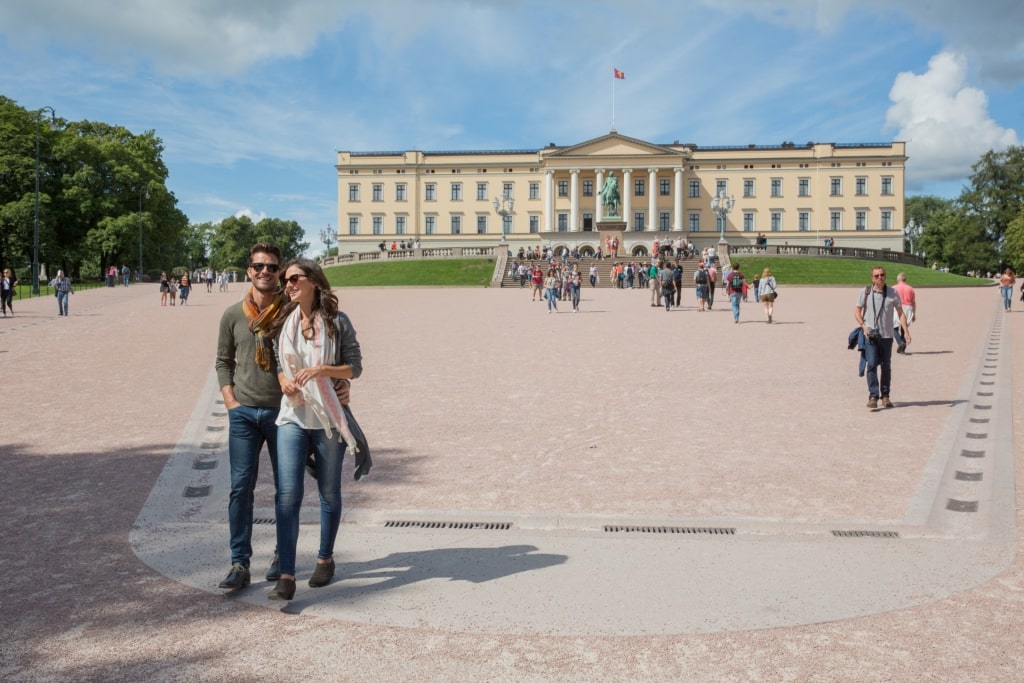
[259,324]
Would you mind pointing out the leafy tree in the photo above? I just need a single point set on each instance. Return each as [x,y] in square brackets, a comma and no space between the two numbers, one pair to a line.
[996,193]
[234,236]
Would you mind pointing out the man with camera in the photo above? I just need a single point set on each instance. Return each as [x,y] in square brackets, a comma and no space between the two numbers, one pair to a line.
[877,305]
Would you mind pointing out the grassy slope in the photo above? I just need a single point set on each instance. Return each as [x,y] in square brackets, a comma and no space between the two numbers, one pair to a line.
[787,270]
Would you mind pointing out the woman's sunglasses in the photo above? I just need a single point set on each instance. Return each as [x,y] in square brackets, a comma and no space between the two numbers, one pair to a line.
[293,279]
[271,267]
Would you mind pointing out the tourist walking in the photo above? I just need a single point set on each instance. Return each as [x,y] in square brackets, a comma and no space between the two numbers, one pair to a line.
[877,306]
[551,289]
[1006,287]
[766,294]
[184,288]
[63,288]
[908,298]
[315,344]
[165,288]
[700,281]
[7,284]
[735,284]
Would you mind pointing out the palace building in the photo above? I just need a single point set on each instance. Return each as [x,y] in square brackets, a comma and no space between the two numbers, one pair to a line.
[799,195]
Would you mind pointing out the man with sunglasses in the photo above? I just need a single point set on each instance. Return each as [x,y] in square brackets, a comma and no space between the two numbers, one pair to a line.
[247,375]
[877,305]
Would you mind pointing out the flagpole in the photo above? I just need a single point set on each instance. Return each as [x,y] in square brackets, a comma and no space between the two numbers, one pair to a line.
[613,100]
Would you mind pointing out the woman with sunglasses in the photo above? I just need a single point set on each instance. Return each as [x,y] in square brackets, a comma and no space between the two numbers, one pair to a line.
[315,345]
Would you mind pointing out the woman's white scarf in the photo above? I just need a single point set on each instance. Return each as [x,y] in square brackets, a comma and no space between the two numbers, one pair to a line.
[318,393]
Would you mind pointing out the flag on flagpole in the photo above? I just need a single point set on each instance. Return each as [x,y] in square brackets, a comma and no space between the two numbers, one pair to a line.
[618,74]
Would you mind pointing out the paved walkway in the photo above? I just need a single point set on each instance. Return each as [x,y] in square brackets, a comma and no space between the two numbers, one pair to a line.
[622,493]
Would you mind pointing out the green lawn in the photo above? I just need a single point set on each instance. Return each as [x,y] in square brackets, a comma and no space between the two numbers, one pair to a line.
[787,270]
[474,272]
[840,271]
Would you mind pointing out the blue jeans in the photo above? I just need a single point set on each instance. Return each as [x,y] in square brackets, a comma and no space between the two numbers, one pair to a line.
[62,303]
[1007,292]
[734,300]
[296,443]
[250,428]
[552,297]
[878,355]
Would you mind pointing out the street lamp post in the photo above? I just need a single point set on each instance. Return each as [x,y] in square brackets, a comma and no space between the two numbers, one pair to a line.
[35,231]
[328,237]
[912,231]
[504,206]
[721,205]
[143,192]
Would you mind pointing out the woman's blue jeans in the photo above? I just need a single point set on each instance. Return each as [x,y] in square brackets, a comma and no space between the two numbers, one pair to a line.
[62,303]
[1007,292]
[293,445]
[552,297]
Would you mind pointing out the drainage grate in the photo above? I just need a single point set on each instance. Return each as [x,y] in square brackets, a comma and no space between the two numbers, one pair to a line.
[962,505]
[865,534]
[987,384]
[204,464]
[263,520]
[968,476]
[981,406]
[717,531]
[985,393]
[196,491]
[215,428]
[975,435]
[210,445]
[486,526]
[972,454]
[979,420]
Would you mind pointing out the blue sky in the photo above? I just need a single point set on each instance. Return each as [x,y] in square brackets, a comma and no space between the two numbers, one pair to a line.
[253,97]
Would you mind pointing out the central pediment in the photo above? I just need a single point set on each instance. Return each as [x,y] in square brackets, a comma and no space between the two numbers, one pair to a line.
[611,146]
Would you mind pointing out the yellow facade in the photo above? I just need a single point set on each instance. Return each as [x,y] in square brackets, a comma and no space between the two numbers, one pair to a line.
[798,195]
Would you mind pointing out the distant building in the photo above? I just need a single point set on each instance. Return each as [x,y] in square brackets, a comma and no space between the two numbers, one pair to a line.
[795,194]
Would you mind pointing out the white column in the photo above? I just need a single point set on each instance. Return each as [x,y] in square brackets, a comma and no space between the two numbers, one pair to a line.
[627,195]
[549,199]
[652,199]
[677,219]
[574,200]
[599,208]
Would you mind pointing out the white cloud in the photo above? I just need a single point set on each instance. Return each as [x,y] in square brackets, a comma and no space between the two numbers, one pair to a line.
[945,122]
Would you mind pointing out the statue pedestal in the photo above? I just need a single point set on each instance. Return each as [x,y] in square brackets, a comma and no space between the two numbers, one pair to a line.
[611,229]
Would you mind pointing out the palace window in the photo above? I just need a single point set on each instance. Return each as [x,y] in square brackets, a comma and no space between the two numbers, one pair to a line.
[456,225]
[639,220]
[776,224]
[378,192]
[860,186]
[534,190]
[748,221]
[534,224]
[721,187]
[804,221]
[353,192]
[353,225]
[694,189]
[456,193]
[506,225]
[664,187]
[506,191]
[639,187]
[835,220]
[694,221]
[378,225]
[563,222]
[836,187]
[481,225]
[400,192]
[399,225]
[430,192]
[748,187]
[886,219]
[803,187]
[776,187]
[860,220]
[887,184]
[563,188]
[481,192]
[664,220]
[588,188]
[430,224]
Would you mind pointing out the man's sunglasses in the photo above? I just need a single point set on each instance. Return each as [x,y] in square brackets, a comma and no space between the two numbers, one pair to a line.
[271,267]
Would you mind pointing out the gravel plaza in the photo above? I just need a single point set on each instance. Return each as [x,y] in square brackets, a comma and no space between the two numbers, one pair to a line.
[618,494]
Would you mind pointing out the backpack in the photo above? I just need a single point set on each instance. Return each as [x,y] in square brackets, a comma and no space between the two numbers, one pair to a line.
[736,281]
[702,277]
